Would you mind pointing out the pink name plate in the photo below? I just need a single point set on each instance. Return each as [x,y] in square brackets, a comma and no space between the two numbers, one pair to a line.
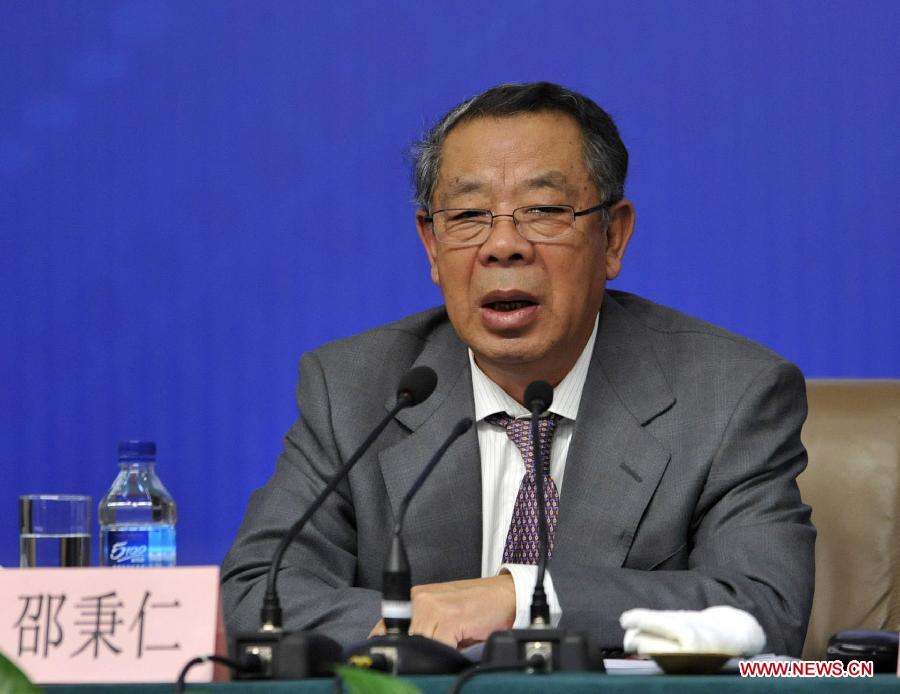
[110,624]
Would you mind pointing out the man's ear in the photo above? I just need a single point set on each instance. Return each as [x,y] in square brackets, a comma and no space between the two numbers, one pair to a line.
[426,236]
[621,225]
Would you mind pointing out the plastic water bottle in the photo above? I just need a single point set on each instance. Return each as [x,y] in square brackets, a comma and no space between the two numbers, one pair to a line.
[137,516]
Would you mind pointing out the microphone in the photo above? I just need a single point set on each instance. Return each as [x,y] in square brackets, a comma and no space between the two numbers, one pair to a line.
[541,647]
[415,387]
[400,653]
[396,609]
[538,398]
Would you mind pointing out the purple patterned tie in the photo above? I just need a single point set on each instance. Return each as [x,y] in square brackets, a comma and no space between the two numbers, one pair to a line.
[522,539]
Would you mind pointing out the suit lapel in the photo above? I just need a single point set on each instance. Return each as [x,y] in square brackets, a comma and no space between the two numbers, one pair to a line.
[614,465]
[442,530]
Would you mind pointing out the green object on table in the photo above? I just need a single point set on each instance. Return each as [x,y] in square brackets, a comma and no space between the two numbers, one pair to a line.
[13,680]
[360,681]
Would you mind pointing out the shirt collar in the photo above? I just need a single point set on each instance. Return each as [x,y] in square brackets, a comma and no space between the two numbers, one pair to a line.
[491,398]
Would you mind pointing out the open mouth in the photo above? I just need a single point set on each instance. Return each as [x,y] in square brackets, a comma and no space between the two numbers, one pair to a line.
[509,312]
[509,305]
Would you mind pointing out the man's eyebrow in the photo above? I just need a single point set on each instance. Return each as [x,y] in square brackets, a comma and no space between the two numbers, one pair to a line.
[464,186]
[546,179]
[555,180]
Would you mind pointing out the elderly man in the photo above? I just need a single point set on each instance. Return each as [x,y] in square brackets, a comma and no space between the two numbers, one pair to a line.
[673,446]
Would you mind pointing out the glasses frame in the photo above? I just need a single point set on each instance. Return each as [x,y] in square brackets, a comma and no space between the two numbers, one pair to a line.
[429,218]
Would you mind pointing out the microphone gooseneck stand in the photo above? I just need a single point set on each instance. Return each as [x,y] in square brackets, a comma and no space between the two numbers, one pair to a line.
[277,654]
[541,647]
[397,651]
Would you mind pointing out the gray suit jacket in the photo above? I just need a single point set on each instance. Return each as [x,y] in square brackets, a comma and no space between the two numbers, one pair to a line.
[679,492]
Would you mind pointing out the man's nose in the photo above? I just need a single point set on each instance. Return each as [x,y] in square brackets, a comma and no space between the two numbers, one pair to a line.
[505,243]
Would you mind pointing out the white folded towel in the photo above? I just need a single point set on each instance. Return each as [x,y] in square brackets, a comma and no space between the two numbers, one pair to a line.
[719,629]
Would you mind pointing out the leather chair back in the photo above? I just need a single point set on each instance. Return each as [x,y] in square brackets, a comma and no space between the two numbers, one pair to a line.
[852,484]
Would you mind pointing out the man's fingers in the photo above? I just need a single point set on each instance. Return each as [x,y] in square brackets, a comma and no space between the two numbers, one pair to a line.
[378,629]
[463,611]
[446,634]
[434,630]
[423,623]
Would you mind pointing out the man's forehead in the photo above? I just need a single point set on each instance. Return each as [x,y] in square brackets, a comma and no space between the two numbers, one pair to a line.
[545,132]
[520,153]
[473,183]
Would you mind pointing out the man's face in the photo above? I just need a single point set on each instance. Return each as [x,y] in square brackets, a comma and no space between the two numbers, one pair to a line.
[526,309]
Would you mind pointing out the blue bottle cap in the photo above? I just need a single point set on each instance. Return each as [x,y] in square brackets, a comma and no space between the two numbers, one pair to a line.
[137,450]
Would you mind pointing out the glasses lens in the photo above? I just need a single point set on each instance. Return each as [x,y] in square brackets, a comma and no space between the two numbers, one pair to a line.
[462,226]
[544,221]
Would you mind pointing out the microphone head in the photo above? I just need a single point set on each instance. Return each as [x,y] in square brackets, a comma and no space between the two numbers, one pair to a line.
[538,396]
[416,385]
[462,426]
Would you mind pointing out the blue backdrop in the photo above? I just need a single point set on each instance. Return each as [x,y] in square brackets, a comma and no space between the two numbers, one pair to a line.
[194,193]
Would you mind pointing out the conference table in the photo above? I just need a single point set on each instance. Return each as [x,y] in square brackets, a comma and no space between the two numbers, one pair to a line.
[568,683]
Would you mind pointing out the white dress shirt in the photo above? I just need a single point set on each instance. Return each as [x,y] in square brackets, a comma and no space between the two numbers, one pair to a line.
[502,470]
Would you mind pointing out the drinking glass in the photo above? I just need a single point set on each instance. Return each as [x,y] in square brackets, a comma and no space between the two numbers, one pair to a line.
[54,530]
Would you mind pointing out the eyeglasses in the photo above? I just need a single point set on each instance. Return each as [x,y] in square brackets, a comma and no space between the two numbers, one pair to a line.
[536,223]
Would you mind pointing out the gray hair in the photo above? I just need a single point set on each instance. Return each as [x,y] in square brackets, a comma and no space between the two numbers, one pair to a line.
[605,154]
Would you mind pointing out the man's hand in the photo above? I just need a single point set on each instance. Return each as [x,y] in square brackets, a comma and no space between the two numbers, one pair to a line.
[461,613]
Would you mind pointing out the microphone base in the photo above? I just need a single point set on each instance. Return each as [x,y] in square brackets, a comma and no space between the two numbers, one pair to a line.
[411,655]
[550,650]
[286,655]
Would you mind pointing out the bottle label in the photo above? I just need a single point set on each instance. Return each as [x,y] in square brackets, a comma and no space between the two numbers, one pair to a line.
[128,547]
[139,547]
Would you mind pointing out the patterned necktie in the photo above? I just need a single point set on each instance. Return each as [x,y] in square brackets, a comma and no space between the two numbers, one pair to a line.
[522,540]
